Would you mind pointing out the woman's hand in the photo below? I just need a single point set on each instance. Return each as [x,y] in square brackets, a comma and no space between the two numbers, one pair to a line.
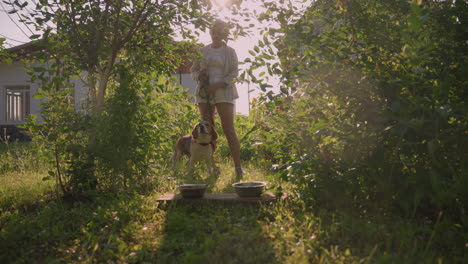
[203,76]
[211,89]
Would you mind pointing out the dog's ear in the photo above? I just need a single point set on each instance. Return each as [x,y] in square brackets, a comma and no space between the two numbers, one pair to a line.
[195,132]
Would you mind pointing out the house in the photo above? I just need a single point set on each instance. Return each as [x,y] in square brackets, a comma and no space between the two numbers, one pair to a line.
[16,92]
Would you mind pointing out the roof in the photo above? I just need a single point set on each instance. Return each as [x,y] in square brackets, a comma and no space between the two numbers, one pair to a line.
[25,50]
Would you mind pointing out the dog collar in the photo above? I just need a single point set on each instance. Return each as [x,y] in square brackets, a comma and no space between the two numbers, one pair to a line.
[204,144]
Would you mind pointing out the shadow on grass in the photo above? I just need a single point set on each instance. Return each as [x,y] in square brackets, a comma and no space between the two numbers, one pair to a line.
[64,231]
[213,233]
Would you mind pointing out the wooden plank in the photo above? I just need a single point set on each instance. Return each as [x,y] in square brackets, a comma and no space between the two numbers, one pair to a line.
[220,197]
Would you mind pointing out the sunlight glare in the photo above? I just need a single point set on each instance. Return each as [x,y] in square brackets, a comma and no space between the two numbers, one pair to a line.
[226,3]
[221,3]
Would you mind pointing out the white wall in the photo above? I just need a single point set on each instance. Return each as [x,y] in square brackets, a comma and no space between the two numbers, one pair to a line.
[187,82]
[80,93]
[12,75]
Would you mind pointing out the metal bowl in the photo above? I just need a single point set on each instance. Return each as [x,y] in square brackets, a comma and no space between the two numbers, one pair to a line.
[249,189]
[192,190]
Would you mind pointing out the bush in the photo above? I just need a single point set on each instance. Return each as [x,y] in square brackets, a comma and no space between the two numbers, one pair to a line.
[122,149]
[140,124]
[374,107]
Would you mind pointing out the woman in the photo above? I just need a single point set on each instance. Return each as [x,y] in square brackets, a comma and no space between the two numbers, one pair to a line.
[216,91]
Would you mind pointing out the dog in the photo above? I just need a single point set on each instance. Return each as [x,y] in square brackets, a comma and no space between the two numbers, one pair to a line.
[199,147]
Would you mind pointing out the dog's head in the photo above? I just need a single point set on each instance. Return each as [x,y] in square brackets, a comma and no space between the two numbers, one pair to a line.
[203,132]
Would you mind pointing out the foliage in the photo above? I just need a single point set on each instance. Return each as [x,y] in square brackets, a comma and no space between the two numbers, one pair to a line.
[5,56]
[246,133]
[62,141]
[374,98]
[245,130]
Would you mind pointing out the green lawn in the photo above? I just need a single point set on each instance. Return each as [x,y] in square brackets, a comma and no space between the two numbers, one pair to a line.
[38,227]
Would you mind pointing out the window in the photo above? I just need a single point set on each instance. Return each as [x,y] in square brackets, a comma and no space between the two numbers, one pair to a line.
[17,103]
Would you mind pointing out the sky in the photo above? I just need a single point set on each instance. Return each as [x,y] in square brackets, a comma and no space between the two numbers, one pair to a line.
[17,34]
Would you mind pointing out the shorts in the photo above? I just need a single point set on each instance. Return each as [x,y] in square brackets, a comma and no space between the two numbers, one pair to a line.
[218,97]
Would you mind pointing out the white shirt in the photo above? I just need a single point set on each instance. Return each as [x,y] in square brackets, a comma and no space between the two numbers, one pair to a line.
[222,65]
[215,59]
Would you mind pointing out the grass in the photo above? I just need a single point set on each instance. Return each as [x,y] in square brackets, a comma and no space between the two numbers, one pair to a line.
[21,177]
[38,227]
[19,189]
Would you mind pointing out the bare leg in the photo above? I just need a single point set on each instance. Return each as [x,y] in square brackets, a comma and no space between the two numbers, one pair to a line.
[226,114]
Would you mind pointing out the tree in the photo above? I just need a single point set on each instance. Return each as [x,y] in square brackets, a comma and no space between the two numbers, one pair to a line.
[114,44]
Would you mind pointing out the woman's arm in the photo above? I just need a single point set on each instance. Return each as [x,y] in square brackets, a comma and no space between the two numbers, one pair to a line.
[233,66]
[231,72]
